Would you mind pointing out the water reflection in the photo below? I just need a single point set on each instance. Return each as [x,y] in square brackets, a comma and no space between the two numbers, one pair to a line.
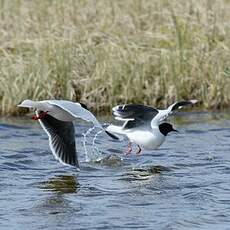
[61,184]
[111,160]
[57,202]
[184,182]
[144,173]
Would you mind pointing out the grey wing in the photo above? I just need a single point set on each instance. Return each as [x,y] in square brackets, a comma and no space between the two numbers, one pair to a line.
[76,110]
[61,139]
[134,114]
[79,110]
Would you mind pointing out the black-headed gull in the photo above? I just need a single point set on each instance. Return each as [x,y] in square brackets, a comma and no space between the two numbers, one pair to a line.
[144,125]
[56,118]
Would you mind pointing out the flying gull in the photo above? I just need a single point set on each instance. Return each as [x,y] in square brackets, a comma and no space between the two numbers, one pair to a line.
[56,118]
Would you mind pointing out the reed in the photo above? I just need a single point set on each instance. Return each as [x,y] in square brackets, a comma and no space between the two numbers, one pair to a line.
[104,52]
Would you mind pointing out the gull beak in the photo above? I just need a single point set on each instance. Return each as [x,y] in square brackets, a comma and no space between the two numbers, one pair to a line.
[174,130]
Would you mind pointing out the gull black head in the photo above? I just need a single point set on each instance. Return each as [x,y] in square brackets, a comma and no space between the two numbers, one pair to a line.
[166,128]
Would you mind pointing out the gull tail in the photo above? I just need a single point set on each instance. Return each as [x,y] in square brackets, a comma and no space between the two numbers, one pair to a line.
[115,131]
[112,135]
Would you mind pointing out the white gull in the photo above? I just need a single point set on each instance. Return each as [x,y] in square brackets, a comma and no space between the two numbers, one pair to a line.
[144,125]
[56,118]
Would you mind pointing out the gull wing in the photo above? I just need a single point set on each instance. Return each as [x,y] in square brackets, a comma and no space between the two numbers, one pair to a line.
[163,114]
[76,110]
[79,110]
[134,115]
[65,111]
[181,104]
[61,139]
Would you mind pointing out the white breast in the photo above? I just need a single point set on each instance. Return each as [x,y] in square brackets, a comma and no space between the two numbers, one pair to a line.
[145,138]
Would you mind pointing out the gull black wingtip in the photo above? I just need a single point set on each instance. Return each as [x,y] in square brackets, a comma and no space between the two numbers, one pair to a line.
[181,104]
[112,135]
[83,105]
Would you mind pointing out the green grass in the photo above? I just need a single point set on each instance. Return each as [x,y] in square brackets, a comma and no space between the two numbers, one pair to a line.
[103,52]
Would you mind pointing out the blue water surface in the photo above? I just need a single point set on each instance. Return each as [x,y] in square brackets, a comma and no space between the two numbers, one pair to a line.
[185,184]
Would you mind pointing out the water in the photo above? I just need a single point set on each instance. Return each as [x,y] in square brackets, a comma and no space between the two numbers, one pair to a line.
[183,185]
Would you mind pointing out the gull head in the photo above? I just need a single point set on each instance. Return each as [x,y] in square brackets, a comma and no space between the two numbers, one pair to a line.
[166,128]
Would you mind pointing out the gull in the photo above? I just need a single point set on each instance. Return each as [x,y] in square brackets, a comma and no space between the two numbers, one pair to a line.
[144,125]
[56,118]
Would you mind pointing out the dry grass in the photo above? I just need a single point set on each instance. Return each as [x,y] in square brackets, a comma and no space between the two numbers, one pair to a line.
[103,52]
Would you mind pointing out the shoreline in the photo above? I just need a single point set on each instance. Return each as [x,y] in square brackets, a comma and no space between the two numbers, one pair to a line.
[103,53]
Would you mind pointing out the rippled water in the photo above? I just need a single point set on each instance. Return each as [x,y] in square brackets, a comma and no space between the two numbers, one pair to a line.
[183,185]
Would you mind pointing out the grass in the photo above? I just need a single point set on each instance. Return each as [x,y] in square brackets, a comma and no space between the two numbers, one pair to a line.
[104,52]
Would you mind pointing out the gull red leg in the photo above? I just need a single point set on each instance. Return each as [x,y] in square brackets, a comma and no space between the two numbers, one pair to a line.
[40,116]
[129,150]
[139,150]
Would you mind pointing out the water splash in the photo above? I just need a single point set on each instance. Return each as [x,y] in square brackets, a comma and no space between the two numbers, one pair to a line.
[96,154]
[87,157]
[95,148]
[96,151]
